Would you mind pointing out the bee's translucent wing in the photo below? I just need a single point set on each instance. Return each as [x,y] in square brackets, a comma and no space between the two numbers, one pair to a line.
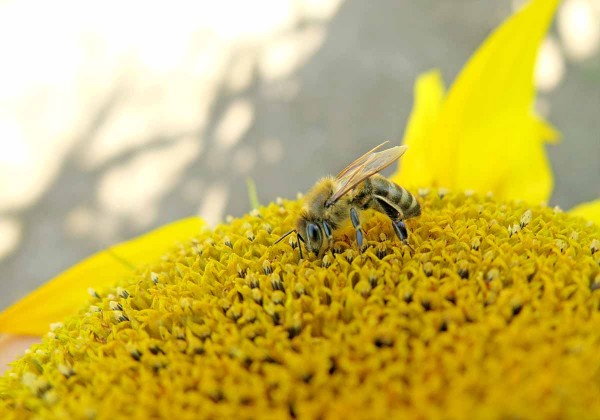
[364,167]
[361,160]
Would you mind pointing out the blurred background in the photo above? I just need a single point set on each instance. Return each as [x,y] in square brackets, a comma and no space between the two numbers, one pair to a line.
[117,117]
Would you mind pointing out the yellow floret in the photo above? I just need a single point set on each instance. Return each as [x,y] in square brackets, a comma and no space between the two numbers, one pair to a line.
[492,312]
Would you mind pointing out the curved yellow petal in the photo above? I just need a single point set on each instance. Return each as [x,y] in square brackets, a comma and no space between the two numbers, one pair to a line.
[66,293]
[429,95]
[487,137]
[529,176]
[589,211]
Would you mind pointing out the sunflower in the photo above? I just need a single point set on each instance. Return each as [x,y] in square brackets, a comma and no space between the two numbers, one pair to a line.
[490,313]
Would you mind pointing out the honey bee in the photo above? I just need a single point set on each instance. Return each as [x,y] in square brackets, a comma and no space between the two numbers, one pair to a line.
[358,187]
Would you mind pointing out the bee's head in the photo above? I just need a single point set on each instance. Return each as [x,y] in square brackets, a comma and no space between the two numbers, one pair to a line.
[312,234]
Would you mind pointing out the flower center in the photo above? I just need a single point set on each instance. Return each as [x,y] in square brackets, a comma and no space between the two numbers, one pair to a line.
[493,308]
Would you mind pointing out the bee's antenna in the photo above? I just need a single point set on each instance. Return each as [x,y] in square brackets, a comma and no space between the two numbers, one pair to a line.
[285,235]
[288,233]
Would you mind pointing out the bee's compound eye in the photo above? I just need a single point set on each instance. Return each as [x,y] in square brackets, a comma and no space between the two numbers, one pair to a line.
[314,234]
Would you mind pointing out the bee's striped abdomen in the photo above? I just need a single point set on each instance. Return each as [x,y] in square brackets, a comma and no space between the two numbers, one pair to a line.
[395,195]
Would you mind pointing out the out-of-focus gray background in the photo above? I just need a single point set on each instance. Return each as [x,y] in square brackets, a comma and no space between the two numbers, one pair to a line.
[121,116]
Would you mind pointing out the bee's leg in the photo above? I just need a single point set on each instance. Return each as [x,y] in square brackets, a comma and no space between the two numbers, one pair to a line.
[401,232]
[300,239]
[400,229]
[360,234]
[396,216]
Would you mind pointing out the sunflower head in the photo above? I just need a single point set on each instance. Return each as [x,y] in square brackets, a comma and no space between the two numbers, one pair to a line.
[489,296]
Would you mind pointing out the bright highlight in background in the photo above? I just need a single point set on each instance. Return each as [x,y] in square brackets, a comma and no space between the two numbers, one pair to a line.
[165,68]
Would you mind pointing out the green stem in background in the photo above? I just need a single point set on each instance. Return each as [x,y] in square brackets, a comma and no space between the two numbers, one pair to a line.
[252,195]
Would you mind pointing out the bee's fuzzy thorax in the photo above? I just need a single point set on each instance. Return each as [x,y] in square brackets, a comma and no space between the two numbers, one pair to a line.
[319,193]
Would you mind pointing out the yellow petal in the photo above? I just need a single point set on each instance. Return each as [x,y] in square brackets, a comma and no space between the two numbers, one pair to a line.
[487,137]
[68,292]
[529,176]
[429,95]
[589,211]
